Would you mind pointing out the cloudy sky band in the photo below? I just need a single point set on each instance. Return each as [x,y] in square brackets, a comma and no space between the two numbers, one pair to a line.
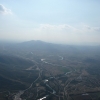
[66,21]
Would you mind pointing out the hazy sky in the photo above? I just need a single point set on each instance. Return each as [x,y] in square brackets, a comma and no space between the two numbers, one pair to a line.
[58,21]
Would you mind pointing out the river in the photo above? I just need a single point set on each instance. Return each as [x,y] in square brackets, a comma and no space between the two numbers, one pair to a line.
[17,95]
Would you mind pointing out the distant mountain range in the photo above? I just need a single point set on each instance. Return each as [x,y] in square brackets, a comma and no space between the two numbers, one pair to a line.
[40,46]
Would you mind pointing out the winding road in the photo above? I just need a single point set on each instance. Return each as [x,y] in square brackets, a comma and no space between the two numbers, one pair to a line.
[17,95]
